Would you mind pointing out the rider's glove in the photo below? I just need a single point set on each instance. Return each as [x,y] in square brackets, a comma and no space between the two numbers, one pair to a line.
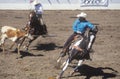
[78,32]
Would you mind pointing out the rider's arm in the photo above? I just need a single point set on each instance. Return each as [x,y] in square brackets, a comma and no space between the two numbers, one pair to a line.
[90,25]
[93,28]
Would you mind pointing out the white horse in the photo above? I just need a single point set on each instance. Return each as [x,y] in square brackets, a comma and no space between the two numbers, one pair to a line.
[74,53]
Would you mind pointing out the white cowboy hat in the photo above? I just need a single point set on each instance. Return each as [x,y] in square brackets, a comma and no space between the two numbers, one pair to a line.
[35,2]
[82,14]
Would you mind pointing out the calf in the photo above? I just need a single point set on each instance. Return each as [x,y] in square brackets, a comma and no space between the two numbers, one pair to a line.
[15,35]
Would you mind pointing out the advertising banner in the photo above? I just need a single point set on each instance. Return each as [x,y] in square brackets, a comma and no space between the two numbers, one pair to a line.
[94,3]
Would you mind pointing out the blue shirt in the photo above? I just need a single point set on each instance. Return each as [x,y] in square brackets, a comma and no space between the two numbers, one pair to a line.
[81,26]
[38,9]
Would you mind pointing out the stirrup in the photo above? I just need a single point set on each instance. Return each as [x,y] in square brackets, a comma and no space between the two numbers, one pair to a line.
[62,54]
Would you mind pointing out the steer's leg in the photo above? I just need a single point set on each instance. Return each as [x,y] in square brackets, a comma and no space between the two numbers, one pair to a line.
[3,47]
[12,45]
[18,50]
[21,41]
[2,42]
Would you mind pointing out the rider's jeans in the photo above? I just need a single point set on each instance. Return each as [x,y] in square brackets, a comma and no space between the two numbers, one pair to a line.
[69,41]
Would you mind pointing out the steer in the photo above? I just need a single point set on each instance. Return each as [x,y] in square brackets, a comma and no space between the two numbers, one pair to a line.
[15,35]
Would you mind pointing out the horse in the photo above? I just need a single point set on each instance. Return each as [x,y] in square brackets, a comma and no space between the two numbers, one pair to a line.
[85,43]
[36,29]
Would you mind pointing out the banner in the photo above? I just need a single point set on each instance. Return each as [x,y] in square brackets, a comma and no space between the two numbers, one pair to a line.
[94,3]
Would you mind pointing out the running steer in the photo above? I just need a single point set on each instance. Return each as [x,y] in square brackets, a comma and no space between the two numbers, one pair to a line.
[15,35]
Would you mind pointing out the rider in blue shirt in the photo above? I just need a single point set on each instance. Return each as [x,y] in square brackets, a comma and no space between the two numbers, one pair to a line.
[79,27]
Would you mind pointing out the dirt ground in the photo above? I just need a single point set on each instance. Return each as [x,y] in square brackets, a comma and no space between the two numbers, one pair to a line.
[40,61]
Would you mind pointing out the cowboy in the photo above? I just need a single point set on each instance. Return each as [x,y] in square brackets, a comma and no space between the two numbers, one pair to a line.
[38,10]
[79,28]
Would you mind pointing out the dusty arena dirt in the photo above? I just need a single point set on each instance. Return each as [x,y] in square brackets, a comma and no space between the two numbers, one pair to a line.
[40,61]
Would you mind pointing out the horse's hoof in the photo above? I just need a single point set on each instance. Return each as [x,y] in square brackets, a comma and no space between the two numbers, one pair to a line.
[26,50]
[72,73]
[58,77]
[51,78]
[57,66]
[16,49]
[19,56]
[25,47]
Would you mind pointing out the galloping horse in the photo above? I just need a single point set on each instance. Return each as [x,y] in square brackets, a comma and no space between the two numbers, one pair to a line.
[85,43]
[36,29]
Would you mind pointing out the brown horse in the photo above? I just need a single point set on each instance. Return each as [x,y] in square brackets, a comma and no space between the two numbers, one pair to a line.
[36,29]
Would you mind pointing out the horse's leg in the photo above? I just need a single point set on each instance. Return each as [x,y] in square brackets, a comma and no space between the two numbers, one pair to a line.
[44,28]
[92,38]
[64,68]
[76,68]
[59,63]
[59,59]
[27,46]
[63,64]
[30,41]
[18,49]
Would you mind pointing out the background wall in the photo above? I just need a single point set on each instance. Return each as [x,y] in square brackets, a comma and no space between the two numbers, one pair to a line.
[60,4]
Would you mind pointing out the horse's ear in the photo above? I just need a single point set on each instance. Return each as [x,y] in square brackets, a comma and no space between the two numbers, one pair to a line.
[95,30]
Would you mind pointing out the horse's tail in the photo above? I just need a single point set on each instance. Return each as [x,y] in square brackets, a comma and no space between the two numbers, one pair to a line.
[0,32]
[0,35]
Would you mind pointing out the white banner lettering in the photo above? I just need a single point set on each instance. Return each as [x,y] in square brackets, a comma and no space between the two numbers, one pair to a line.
[94,3]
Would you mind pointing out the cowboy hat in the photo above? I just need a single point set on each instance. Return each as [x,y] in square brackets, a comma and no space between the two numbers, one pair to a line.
[35,2]
[82,14]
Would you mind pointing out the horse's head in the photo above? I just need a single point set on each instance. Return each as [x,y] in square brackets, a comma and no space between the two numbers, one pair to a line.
[31,14]
[27,32]
[27,28]
[33,19]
